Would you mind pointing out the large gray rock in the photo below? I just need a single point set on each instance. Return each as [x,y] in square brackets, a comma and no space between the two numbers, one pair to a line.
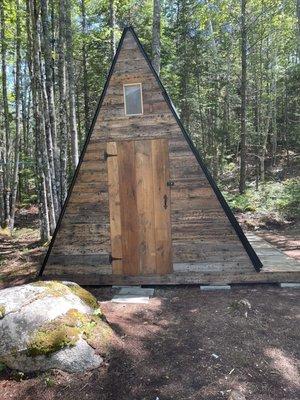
[47,325]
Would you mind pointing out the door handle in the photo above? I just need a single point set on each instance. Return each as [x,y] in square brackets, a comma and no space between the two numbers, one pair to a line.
[165,201]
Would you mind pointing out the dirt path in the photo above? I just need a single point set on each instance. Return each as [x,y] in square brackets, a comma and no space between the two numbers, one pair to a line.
[188,345]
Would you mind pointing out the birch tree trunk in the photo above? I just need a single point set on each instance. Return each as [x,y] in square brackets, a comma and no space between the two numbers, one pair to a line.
[156,36]
[242,181]
[71,86]
[34,70]
[62,103]
[17,119]
[85,70]
[50,108]
[6,169]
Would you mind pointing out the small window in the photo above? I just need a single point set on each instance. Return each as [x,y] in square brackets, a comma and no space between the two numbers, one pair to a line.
[133,99]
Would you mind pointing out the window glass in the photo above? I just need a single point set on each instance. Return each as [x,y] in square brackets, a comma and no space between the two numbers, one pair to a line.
[133,99]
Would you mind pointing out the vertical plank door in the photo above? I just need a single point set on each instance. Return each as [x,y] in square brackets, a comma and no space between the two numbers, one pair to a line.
[139,204]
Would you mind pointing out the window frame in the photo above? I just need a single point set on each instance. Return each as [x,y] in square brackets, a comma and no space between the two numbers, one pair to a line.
[124,96]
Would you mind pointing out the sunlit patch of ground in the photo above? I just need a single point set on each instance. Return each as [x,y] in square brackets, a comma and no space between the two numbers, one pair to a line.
[287,366]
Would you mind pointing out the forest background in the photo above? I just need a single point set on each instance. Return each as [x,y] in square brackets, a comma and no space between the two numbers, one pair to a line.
[231,67]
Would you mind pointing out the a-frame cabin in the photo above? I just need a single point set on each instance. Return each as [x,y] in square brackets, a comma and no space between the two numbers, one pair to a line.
[142,207]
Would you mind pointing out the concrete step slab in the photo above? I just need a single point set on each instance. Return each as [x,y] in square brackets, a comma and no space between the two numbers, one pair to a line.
[207,288]
[125,287]
[130,299]
[292,285]
[138,291]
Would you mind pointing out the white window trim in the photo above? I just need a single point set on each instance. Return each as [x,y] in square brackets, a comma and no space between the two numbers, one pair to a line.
[133,84]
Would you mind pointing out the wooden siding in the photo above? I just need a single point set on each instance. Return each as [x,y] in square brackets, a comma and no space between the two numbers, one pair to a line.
[201,231]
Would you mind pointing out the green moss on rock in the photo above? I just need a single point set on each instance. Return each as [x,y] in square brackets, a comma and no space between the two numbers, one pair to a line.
[48,341]
[54,288]
[2,311]
[85,296]
[65,331]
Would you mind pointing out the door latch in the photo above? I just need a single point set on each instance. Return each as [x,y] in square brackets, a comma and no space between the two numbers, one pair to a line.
[165,201]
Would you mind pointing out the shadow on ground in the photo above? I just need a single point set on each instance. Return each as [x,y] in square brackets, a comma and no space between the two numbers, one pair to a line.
[188,345]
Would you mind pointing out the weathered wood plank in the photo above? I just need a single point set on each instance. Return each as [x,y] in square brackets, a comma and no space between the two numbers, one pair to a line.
[114,207]
[145,207]
[161,194]
[129,213]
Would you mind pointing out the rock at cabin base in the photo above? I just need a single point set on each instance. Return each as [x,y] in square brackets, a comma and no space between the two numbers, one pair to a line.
[46,325]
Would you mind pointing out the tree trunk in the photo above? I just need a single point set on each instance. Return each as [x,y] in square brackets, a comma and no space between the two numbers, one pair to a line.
[182,54]
[298,27]
[156,36]
[34,71]
[242,182]
[62,102]
[285,130]
[112,23]
[86,95]
[6,168]
[71,86]
[1,183]
[17,119]
[49,81]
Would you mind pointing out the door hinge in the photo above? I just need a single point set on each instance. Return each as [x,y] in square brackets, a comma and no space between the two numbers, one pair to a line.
[111,258]
[106,155]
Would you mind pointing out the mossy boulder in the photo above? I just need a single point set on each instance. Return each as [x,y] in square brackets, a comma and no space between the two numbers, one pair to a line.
[2,311]
[47,325]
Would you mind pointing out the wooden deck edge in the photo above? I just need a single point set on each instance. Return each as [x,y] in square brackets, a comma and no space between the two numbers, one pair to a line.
[177,279]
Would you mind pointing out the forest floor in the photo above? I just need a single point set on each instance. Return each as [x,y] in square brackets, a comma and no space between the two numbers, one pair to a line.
[184,344]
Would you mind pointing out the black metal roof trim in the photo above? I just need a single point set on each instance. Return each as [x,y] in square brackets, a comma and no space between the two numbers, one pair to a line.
[249,249]
[40,273]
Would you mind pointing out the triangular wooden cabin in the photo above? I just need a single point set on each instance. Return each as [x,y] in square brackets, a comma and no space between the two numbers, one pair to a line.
[142,207]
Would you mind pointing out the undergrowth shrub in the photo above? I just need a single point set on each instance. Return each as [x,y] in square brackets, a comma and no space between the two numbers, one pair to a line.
[279,197]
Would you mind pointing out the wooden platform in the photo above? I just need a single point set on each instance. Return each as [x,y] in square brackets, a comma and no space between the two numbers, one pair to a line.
[277,265]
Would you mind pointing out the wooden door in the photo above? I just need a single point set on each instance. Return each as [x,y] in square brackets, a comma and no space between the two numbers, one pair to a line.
[139,203]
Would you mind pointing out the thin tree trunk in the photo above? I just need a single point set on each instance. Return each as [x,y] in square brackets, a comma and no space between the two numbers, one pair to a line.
[34,70]
[274,125]
[1,190]
[51,114]
[45,140]
[298,27]
[285,130]
[156,36]
[242,182]
[6,168]
[86,96]
[62,102]
[71,87]
[184,71]
[18,120]
[112,23]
